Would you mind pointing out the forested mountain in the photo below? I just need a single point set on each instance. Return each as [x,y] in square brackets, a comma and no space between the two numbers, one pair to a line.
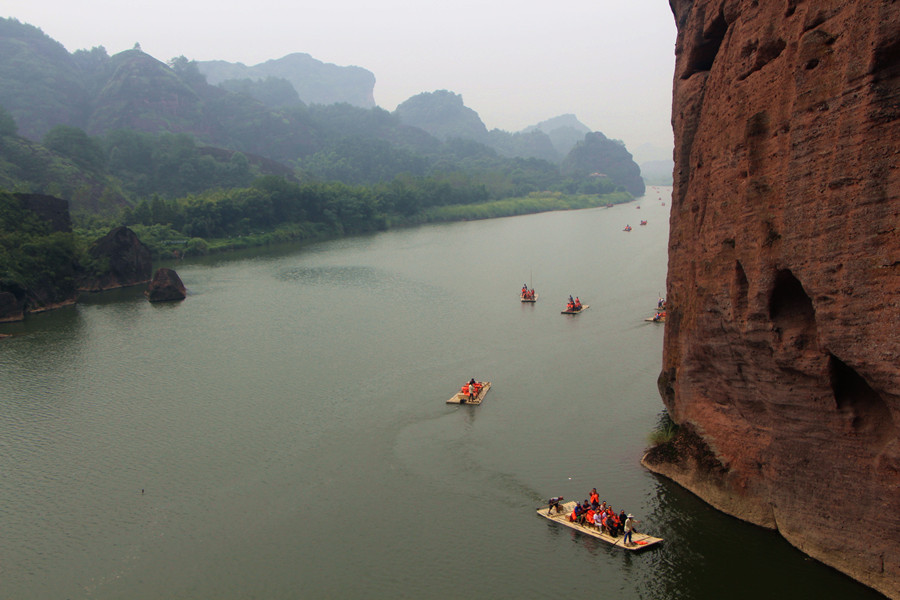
[127,140]
[41,84]
[106,131]
[564,131]
[315,82]
[598,155]
[443,115]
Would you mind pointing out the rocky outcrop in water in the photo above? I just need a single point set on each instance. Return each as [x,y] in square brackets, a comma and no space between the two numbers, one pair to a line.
[781,347]
[122,260]
[166,286]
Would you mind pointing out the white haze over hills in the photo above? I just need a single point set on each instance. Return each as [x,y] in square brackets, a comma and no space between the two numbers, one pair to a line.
[516,63]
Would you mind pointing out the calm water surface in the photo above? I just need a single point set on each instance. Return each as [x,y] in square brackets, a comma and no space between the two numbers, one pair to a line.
[283,432]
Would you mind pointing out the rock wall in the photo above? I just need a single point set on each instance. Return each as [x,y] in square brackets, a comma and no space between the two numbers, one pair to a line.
[126,261]
[782,349]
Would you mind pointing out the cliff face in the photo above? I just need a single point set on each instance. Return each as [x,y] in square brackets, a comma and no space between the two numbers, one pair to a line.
[781,346]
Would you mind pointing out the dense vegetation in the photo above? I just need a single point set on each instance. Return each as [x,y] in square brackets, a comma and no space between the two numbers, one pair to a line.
[35,261]
[273,209]
[194,168]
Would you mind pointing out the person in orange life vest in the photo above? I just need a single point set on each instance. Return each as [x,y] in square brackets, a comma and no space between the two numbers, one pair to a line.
[577,303]
[616,528]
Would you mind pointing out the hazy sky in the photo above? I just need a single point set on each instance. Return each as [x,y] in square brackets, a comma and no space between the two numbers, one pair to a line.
[516,63]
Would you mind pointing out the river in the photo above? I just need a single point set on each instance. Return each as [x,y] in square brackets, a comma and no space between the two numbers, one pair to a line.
[284,432]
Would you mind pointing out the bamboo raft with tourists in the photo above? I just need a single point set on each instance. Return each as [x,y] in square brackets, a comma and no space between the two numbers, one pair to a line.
[477,394]
[562,515]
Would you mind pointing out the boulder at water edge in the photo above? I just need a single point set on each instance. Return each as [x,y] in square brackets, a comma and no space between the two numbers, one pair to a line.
[166,286]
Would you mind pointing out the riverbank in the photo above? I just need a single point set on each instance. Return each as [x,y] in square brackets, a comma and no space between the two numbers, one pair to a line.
[166,243]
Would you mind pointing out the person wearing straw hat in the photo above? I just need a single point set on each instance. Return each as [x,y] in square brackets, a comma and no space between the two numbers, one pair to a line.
[629,528]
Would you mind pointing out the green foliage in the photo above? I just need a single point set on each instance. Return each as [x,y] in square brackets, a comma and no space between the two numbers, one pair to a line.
[598,155]
[32,257]
[274,92]
[533,203]
[7,123]
[41,84]
[75,144]
[665,431]
[186,70]
[363,160]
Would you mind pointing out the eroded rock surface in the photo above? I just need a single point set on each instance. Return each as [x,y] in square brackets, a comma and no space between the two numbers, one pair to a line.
[124,261]
[782,348]
[166,286]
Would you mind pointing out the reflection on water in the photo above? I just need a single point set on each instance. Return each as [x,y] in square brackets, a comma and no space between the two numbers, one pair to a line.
[288,427]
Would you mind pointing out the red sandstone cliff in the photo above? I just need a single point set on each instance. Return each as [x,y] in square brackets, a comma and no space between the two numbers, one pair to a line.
[782,346]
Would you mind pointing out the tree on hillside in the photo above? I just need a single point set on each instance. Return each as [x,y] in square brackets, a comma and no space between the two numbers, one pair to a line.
[7,123]
[74,143]
[186,70]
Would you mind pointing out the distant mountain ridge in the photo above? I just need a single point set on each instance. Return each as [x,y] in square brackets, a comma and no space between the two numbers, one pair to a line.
[442,114]
[256,112]
[316,82]
[565,131]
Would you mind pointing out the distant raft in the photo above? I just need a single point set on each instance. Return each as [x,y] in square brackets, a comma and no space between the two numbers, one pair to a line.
[575,311]
[640,541]
[462,396]
[527,295]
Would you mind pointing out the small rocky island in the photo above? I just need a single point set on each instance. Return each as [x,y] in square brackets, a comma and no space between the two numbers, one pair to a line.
[166,286]
[50,272]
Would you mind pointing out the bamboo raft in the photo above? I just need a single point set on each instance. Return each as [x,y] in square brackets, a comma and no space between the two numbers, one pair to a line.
[576,312]
[640,541]
[461,398]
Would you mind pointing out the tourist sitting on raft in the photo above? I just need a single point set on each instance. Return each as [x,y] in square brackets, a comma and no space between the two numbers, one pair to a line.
[574,304]
[659,316]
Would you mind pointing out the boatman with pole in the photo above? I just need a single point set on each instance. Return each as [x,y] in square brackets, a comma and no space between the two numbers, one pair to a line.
[629,529]
[554,503]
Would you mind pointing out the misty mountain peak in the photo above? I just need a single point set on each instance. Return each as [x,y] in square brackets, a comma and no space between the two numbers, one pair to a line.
[442,114]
